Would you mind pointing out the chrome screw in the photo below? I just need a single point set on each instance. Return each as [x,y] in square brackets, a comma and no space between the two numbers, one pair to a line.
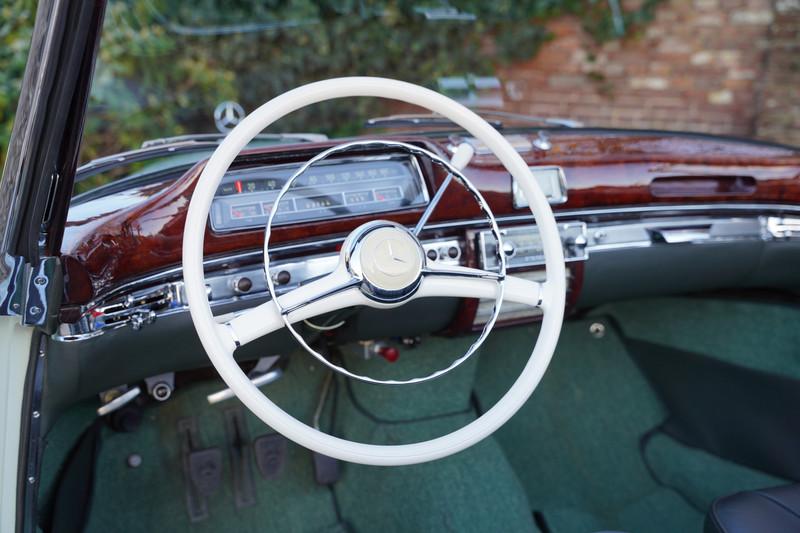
[597,330]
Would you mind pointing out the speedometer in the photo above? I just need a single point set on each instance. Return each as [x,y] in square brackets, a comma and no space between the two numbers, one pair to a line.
[329,189]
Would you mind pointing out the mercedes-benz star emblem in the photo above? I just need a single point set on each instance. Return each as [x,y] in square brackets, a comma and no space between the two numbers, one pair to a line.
[392,257]
[227,115]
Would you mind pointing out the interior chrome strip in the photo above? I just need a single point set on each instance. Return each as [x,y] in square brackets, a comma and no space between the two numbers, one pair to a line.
[667,210]
[255,255]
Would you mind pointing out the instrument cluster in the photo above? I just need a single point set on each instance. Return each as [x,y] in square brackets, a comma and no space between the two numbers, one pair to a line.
[329,189]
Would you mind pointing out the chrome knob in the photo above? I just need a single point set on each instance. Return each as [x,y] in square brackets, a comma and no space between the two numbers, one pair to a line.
[242,285]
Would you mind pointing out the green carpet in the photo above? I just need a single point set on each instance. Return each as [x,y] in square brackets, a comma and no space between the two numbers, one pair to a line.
[698,475]
[473,491]
[575,443]
[572,453]
[152,497]
[57,445]
[729,330]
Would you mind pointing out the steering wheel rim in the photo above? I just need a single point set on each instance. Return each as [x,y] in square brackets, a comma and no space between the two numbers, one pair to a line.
[220,344]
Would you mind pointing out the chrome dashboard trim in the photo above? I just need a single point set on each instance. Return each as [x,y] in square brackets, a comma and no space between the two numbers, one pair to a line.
[164,296]
[783,227]
[666,210]
[518,199]
[254,256]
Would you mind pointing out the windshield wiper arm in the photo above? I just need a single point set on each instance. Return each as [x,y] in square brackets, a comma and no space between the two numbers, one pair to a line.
[520,117]
[438,120]
[216,137]
[392,121]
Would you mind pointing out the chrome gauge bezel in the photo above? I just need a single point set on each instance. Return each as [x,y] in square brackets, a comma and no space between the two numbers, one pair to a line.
[403,156]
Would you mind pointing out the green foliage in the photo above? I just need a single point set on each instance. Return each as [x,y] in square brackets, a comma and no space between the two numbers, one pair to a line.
[16,27]
[165,64]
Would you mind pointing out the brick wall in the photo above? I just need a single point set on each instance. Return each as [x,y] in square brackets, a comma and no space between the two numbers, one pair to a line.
[779,106]
[718,66]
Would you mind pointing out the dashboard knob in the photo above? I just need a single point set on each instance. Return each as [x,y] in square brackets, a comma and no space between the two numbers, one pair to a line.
[453,252]
[242,285]
[282,278]
[508,249]
[432,254]
[579,241]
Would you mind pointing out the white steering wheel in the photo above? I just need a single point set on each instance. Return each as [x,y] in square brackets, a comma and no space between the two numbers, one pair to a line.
[382,264]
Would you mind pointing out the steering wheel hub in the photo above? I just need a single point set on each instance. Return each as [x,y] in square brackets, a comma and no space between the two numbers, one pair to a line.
[387,258]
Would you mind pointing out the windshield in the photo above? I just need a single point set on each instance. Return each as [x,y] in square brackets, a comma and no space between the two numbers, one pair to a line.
[169,68]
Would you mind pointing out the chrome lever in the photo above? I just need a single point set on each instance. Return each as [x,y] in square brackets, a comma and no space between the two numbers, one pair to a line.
[118,401]
[262,374]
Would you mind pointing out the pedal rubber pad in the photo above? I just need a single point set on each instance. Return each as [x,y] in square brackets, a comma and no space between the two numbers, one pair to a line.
[326,469]
[271,454]
[205,470]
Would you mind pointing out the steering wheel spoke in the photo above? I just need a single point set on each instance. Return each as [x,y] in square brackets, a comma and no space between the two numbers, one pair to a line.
[465,282]
[332,292]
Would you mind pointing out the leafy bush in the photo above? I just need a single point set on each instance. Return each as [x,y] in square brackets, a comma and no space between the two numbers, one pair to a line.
[165,64]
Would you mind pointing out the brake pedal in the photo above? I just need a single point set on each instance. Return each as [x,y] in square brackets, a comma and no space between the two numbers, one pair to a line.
[270,453]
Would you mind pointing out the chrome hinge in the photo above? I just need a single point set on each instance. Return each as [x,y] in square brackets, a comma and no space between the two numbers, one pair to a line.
[43,296]
[12,286]
[34,294]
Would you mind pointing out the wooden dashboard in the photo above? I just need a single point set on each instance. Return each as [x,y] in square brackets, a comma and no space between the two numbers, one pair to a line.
[603,169]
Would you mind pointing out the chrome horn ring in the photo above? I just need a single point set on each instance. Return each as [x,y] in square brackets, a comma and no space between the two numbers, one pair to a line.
[370,287]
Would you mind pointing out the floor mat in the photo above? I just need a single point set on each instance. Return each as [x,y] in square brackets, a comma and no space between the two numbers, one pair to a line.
[473,491]
[575,444]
